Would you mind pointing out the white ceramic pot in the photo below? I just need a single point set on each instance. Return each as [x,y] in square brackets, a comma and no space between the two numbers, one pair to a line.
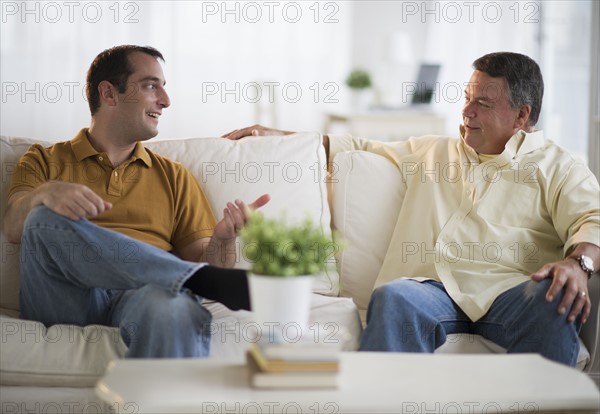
[281,305]
[360,99]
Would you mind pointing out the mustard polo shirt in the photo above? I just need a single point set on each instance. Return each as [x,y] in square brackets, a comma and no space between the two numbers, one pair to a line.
[482,227]
[155,200]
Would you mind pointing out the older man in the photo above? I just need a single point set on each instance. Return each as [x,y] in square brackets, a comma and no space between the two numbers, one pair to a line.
[507,240]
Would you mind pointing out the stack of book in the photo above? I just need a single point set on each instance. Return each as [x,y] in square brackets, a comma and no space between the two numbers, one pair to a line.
[293,365]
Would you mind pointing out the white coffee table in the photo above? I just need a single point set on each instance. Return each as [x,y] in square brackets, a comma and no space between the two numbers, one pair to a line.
[369,382]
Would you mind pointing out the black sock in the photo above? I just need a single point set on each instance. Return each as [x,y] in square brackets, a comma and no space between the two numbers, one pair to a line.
[228,286]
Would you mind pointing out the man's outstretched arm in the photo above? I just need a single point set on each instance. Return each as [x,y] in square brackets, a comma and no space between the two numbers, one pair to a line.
[262,131]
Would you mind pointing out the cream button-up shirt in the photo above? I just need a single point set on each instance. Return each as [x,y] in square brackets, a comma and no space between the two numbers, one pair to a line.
[483,228]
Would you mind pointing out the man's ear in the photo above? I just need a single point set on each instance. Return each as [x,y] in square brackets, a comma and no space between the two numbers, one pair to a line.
[522,120]
[108,93]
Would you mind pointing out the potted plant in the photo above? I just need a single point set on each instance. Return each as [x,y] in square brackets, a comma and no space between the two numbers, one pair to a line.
[358,79]
[284,262]
[360,84]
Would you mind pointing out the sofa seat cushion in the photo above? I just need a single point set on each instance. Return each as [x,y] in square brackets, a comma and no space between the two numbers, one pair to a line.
[475,344]
[72,356]
[57,356]
[54,400]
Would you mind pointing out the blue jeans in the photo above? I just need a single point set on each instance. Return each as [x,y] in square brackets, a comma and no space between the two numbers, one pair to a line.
[410,316]
[75,272]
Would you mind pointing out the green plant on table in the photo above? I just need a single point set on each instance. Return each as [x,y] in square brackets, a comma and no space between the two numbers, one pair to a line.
[275,248]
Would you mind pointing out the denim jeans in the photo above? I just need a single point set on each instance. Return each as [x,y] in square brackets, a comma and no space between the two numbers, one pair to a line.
[75,272]
[410,316]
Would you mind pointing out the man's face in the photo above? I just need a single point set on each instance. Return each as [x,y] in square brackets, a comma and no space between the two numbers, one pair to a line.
[489,120]
[142,103]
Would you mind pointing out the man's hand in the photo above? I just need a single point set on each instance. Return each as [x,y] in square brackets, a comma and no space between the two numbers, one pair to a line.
[254,131]
[235,216]
[218,249]
[567,275]
[74,201]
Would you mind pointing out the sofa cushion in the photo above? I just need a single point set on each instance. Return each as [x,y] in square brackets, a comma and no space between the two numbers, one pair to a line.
[366,199]
[286,167]
[11,149]
[58,356]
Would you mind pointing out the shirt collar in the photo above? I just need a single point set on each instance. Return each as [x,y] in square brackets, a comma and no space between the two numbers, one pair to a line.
[520,143]
[140,153]
[82,148]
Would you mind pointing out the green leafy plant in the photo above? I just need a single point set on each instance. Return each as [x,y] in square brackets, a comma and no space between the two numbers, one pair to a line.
[277,249]
[358,79]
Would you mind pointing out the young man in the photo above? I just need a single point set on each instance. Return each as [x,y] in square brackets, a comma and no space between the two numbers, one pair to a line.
[507,238]
[114,234]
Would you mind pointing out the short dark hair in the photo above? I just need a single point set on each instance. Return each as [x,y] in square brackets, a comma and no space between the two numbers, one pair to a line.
[113,65]
[523,76]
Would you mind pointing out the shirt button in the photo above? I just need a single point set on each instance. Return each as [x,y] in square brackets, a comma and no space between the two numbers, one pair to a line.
[100,158]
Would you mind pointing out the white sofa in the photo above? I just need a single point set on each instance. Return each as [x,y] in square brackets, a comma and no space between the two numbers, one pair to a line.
[54,369]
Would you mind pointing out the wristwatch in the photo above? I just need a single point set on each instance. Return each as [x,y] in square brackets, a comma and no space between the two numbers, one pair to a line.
[586,263]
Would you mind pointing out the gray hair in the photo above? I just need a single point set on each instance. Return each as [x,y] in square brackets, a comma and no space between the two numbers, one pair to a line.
[523,76]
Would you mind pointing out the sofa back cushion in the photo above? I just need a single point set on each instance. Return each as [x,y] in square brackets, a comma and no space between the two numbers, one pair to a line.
[366,200]
[291,169]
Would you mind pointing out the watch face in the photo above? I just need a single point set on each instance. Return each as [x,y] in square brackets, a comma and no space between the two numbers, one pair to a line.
[588,263]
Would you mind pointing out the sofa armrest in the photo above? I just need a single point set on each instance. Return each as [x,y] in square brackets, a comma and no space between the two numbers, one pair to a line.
[590,331]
